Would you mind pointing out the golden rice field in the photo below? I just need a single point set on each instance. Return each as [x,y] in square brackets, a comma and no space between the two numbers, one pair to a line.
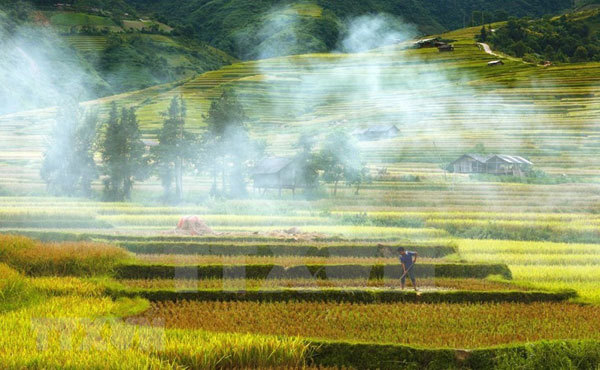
[548,235]
[81,332]
[485,237]
[542,264]
[456,325]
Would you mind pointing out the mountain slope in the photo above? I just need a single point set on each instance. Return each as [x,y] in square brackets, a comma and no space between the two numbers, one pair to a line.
[240,27]
[573,37]
[445,104]
[42,63]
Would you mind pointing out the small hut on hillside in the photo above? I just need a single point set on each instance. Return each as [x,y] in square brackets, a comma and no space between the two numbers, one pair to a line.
[502,164]
[496,164]
[469,163]
[494,63]
[276,173]
[376,132]
[428,43]
[446,47]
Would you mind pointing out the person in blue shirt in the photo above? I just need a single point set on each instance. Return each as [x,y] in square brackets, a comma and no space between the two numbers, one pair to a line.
[408,259]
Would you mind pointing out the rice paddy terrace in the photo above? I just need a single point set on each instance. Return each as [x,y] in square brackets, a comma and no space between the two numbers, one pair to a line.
[286,282]
[443,103]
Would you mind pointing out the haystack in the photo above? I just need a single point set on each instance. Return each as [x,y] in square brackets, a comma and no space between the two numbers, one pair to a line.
[193,225]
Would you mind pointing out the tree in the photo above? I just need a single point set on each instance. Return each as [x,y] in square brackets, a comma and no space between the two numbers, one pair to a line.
[340,160]
[356,176]
[122,154]
[176,149]
[580,55]
[500,15]
[68,167]
[307,160]
[519,49]
[483,34]
[85,147]
[549,52]
[228,148]
[515,29]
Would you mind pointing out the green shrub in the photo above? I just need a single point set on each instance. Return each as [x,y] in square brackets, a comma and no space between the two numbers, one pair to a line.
[379,356]
[531,176]
[264,271]
[363,219]
[282,249]
[539,355]
[347,295]
[534,356]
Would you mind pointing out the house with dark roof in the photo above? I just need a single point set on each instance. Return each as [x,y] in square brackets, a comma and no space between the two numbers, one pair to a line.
[502,164]
[497,164]
[376,132]
[276,173]
[469,163]
[446,47]
[428,43]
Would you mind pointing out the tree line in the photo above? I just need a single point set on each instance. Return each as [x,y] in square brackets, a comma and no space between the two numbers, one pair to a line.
[225,152]
[555,39]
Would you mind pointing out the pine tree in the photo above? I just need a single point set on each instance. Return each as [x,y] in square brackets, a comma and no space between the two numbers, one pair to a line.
[85,147]
[483,34]
[176,149]
[122,154]
[227,145]
[581,54]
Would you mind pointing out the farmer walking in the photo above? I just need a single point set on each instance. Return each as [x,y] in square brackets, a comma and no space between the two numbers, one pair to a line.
[408,259]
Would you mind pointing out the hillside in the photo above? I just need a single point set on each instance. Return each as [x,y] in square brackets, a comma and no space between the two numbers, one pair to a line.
[129,62]
[50,54]
[572,37]
[114,8]
[36,67]
[445,104]
[242,28]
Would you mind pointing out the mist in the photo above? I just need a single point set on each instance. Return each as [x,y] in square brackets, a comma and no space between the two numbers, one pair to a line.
[428,101]
[365,81]
[37,70]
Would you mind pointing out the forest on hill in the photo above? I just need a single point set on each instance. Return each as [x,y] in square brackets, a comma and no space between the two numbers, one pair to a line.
[570,38]
[244,28]
[113,46]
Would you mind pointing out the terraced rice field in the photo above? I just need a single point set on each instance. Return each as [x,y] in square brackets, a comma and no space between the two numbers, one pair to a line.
[457,326]
[87,43]
[547,265]
[559,105]
[549,248]
[502,262]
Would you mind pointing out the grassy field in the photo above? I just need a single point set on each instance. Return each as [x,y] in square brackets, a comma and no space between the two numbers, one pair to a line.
[99,259]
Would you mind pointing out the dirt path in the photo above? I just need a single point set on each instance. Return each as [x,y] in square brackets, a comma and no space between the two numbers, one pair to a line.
[487,48]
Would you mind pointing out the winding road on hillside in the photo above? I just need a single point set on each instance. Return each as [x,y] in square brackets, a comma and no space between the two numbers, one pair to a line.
[487,48]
